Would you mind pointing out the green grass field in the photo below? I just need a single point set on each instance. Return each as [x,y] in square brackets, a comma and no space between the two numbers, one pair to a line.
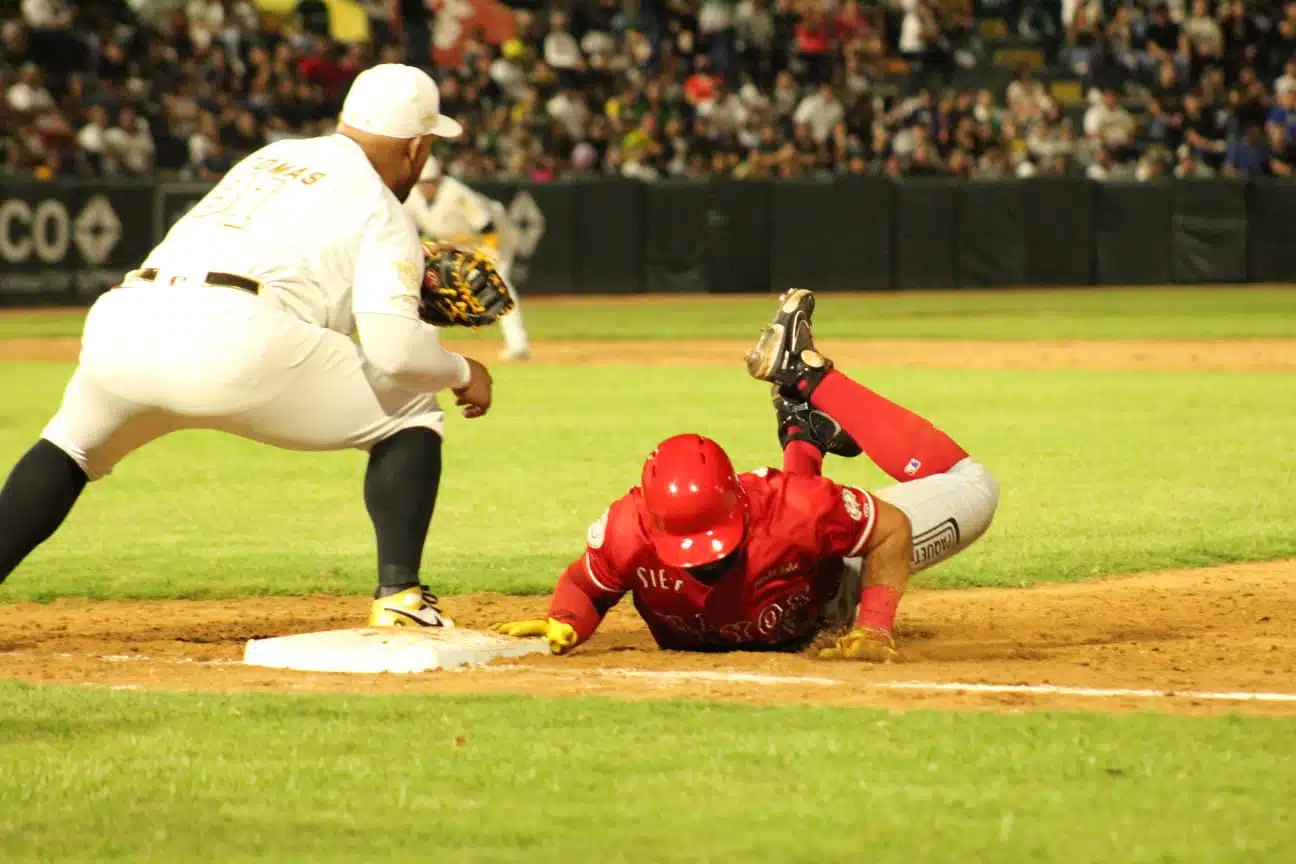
[1102,473]
[1097,313]
[147,777]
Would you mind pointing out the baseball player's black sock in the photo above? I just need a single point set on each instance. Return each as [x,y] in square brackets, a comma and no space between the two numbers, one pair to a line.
[401,485]
[35,500]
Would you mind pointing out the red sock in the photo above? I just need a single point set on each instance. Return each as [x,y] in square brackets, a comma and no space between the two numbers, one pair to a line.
[802,457]
[900,442]
[877,608]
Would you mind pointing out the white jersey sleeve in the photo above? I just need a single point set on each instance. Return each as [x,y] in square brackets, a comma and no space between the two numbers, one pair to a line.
[455,212]
[389,267]
[472,206]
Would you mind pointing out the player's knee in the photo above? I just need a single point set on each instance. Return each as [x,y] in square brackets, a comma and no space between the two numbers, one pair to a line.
[76,455]
[428,429]
[983,499]
[988,485]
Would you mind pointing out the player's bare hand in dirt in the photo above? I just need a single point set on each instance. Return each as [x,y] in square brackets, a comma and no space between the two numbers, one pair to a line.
[560,635]
[476,397]
[867,644]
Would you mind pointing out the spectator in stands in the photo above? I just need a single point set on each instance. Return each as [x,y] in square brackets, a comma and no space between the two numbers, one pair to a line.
[1189,167]
[1241,36]
[1283,40]
[1286,83]
[1283,115]
[206,20]
[1119,34]
[1149,167]
[214,164]
[1204,132]
[1168,92]
[1164,41]
[1282,152]
[754,41]
[716,33]
[1103,167]
[926,162]
[243,136]
[1247,156]
[1027,98]
[1205,38]
[816,45]
[128,145]
[91,139]
[52,35]
[47,14]
[1159,128]
[820,112]
[28,95]
[1108,123]
[788,88]
[562,52]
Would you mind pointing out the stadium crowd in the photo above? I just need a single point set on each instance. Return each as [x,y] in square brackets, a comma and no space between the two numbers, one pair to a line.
[682,88]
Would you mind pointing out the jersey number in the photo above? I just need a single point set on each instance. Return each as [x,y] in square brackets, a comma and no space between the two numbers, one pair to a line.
[245,196]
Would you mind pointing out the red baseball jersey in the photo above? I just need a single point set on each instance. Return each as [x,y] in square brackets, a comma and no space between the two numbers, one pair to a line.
[799,526]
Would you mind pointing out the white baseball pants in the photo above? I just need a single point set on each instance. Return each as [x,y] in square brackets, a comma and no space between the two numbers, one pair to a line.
[511,325]
[159,359]
[948,512]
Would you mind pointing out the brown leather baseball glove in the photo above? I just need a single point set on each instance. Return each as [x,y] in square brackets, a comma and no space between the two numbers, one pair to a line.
[461,287]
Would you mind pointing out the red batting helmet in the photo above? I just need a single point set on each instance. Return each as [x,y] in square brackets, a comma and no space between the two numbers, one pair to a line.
[697,508]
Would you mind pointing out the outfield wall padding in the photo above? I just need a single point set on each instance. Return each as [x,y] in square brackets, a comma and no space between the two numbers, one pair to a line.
[675,237]
[1271,231]
[736,236]
[991,239]
[1209,231]
[926,235]
[1133,234]
[1058,230]
[66,242]
[608,229]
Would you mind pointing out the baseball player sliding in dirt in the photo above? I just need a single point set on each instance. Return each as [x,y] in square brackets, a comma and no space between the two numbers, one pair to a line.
[446,210]
[241,321]
[770,560]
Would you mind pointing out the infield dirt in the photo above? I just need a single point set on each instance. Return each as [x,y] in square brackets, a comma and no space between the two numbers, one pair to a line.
[1224,629]
[1230,628]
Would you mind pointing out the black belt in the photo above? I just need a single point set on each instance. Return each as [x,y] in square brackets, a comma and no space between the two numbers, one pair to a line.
[220,280]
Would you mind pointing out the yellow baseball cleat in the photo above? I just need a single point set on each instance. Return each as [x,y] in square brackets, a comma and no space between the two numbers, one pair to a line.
[413,607]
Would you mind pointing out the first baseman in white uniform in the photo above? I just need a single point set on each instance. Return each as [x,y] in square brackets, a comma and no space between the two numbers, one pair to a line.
[448,210]
[241,321]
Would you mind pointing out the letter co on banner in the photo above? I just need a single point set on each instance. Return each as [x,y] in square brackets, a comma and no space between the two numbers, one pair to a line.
[71,242]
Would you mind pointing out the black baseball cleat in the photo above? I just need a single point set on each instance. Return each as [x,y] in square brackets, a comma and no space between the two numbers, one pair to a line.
[785,354]
[798,421]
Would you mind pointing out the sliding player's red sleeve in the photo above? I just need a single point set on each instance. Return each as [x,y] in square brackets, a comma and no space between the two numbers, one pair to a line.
[593,583]
[578,602]
[847,517]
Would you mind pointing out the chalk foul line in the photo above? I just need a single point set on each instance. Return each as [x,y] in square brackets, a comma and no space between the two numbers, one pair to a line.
[933,686]
[1097,692]
[737,677]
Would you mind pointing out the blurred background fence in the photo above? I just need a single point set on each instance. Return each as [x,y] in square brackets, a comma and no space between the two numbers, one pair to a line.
[67,241]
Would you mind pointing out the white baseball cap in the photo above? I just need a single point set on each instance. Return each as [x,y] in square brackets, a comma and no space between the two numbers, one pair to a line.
[396,101]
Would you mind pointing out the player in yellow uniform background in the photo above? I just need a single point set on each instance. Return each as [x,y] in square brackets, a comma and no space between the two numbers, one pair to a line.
[447,210]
